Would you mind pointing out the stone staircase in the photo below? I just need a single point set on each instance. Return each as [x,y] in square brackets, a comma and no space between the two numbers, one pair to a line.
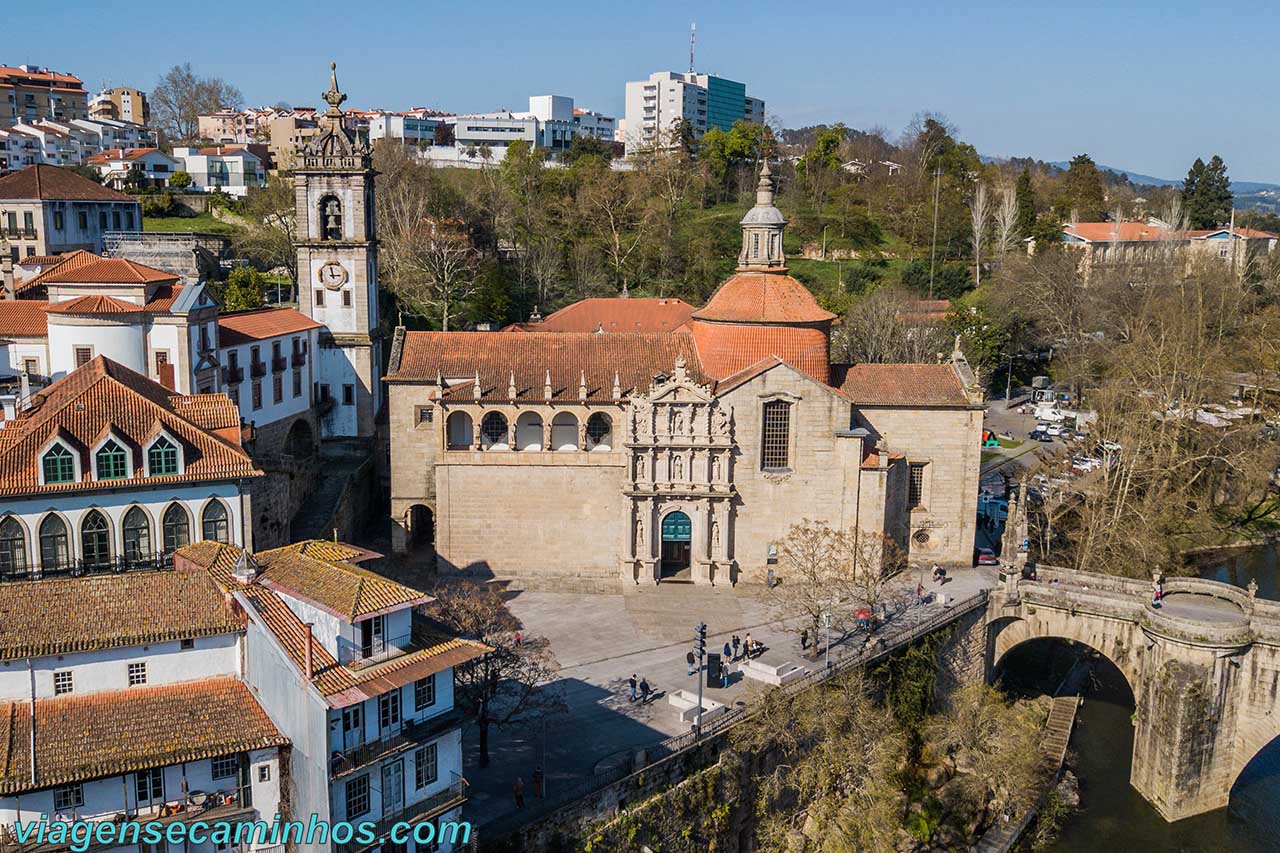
[339,461]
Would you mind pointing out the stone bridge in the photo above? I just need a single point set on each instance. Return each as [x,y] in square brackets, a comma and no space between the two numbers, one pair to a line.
[1204,668]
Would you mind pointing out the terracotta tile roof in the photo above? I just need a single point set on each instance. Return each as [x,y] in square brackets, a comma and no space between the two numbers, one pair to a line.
[40,260]
[120,154]
[42,181]
[246,326]
[325,574]
[94,305]
[70,261]
[636,357]
[755,297]
[83,404]
[1124,232]
[109,271]
[616,314]
[23,318]
[431,650]
[1247,233]
[900,385]
[64,615]
[163,297]
[79,738]
[727,348]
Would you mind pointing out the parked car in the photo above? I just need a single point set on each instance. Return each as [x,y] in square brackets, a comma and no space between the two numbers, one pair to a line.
[1039,435]
[985,557]
[1054,430]
[1084,464]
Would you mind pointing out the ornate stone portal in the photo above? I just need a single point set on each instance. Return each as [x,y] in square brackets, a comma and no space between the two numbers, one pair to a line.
[681,444]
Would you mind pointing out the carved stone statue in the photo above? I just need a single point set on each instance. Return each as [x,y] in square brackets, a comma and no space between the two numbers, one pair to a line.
[715,468]
[715,536]
[679,422]
[639,468]
[720,422]
[640,413]
[677,468]
[641,549]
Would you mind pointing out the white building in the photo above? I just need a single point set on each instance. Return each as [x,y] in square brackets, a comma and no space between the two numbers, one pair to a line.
[133,685]
[148,167]
[551,123]
[655,107]
[361,684]
[231,169]
[412,129]
[268,358]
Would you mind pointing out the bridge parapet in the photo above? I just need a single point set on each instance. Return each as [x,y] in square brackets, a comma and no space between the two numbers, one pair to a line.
[1235,635]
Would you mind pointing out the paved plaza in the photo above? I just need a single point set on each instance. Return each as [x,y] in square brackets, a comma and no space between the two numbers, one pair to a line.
[599,640]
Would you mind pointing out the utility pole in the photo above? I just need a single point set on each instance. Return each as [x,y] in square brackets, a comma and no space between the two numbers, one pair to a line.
[699,652]
[826,625]
[1008,385]
[933,249]
[1231,238]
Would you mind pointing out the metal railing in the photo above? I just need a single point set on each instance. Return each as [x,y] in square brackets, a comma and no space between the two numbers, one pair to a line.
[258,369]
[80,568]
[355,653]
[233,375]
[299,359]
[279,363]
[409,733]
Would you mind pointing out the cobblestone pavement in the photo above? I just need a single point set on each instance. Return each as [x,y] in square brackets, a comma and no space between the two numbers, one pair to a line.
[600,640]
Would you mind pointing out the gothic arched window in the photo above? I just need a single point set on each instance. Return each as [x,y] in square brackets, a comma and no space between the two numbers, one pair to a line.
[54,550]
[13,548]
[95,540]
[330,218]
[214,522]
[177,528]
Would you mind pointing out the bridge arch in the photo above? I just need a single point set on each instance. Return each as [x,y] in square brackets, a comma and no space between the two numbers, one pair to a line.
[1008,632]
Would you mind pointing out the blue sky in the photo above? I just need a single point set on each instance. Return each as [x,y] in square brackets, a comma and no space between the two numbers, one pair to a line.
[1143,85]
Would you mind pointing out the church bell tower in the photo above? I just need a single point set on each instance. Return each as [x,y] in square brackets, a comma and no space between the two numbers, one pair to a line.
[337,249]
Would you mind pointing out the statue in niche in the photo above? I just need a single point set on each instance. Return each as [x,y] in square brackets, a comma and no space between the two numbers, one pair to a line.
[639,468]
[679,422]
[640,415]
[715,536]
[720,422]
[641,550]
[715,468]
[677,468]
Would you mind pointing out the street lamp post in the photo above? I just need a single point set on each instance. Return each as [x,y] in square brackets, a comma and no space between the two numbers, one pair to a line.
[826,626]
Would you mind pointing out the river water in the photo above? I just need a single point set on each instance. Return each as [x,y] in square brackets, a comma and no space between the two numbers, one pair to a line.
[1114,817]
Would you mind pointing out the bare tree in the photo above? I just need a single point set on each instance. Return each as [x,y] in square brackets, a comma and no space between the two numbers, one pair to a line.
[888,326]
[181,97]
[1006,220]
[616,215]
[271,238]
[978,215]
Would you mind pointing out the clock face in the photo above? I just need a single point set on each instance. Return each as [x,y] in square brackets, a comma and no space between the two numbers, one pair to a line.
[333,275]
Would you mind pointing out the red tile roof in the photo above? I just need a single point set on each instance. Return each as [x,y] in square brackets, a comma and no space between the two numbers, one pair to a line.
[247,326]
[43,74]
[78,738]
[119,154]
[905,386]
[94,305]
[71,260]
[42,181]
[108,271]
[1247,233]
[23,318]
[756,297]
[726,348]
[569,356]
[617,314]
[1124,232]
[102,395]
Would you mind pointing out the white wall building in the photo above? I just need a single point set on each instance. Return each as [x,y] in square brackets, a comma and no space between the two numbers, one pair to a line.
[231,169]
[149,167]
[655,107]
[268,358]
[406,127]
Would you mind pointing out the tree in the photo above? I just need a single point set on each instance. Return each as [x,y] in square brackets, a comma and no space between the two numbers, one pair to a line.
[244,290]
[181,97]
[1026,197]
[1082,193]
[884,327]
[88,172]
[512,683]
[270,239]
[978,215]
[1005,219]
[180,180]
[616,215]
[1206,194]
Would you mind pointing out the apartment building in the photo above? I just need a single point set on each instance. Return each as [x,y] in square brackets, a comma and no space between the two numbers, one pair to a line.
[655,107]
[142,167]
[268,358]
[121,104]
[29,93]
[415,127]
[551,123]
[232,169]
[45,210]
[358,680]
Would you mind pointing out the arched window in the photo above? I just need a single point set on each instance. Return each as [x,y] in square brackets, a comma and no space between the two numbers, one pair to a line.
[461,432]
[564,432]
[59,466]
[13,549]
[493,432]
[529,431]
[95,540]
[177,528]
[775,439]
[599,432]
[54,550]
[162,458]
[112,461]
[213,525]
[137,535]
[330,218]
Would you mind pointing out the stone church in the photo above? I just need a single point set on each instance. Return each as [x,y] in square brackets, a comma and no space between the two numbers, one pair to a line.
[622,449]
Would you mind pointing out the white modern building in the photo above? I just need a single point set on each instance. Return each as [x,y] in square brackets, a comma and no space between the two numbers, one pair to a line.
[551,123]
[232,169]
[360,683]
[413,128]
[655,107]
[143,167]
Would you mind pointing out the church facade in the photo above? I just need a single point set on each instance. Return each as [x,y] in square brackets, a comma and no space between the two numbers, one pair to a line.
[680,454]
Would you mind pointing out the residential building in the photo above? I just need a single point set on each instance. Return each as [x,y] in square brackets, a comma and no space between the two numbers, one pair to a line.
[140,167]
[103,134]
[690,441]
[134,472]
[655,107]
[420,130]
[551,123]
[1111,244]
[121,702]
[45,210]
[54,145]
[121,104]
[358,680]
[29,93]
[232,169]
[288,134]
[599,125]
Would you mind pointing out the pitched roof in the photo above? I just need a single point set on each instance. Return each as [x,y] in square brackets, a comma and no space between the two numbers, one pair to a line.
[726,348]
[64,615]
[616,314]
[23,318]
[79,738]
[108,271]
[1124,232]
[82,405]
[120,154]
[325,574]
[900,385]
[246,326]
[1246,233]
[94,304]
[568,356]
[43,181]
[759,297]
[71,260]
[430,650]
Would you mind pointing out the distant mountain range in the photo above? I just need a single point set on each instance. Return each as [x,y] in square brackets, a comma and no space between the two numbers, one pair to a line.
[1238,187]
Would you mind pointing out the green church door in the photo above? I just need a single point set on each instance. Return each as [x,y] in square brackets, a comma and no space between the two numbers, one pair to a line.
[677,534]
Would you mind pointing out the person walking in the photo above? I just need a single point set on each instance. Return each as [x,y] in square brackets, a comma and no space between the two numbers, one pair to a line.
[747,647]
[644,691]
[632,681]
[737,641]
[724,675]
[804,639]
[517,790]
[728,652]
[692,660]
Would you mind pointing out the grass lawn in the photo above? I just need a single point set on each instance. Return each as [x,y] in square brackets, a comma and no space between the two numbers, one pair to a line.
[987,456]
[1009,442]
[204,222]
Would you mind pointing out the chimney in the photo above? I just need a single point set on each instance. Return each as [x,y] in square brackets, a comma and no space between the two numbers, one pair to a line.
[6,268]
[308,664]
